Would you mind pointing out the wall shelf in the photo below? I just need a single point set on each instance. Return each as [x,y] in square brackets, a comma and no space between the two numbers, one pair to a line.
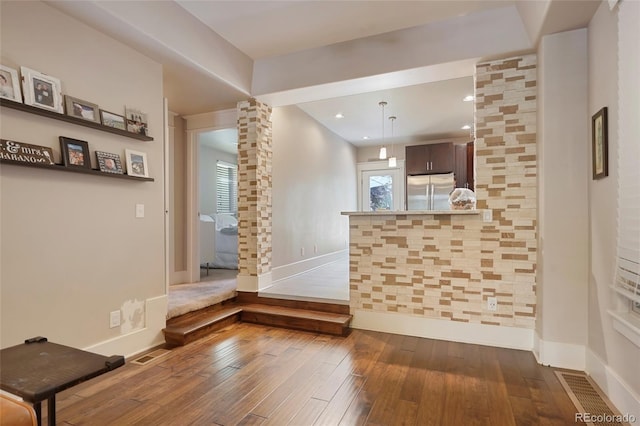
[70,119]
[82,170]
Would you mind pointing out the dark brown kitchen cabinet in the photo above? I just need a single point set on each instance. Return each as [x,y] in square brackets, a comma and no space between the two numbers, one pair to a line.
[464,165]
[429,159]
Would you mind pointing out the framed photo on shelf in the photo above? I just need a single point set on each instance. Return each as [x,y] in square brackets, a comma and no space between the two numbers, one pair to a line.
[110,119]
[10,84]
[136,121]
[136,163]
[81,109]
[109,162]
[600,144]
[75,153]
[41,90]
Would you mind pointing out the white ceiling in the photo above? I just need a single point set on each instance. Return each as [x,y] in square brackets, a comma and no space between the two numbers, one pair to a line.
[204,44]
[272,28]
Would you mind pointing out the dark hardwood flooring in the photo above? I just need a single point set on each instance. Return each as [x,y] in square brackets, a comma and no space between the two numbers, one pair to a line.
[249,374]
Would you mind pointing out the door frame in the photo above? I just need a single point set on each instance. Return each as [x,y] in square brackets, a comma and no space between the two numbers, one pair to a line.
[382,166]
[195,125]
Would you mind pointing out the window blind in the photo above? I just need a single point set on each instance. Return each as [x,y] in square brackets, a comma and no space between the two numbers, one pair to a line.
[226,187]
[628,270]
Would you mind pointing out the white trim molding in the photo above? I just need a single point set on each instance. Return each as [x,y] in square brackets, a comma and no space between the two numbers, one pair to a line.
[141,339]
[253,283]
[614,386]
[479,334]
[559,355]
[296,268]
[627,325]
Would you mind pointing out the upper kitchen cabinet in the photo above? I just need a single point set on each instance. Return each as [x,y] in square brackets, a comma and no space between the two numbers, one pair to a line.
[464,165]
[429,159]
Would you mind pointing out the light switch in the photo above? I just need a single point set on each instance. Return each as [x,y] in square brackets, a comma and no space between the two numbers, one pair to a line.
[139,210]
[487,215]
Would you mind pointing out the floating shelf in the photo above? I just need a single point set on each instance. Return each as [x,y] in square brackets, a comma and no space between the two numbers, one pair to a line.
[70,119]
[82,170]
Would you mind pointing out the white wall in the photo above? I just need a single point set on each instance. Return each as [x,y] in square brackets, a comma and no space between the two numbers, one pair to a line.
[208,158]
[72,249]
[614,357]
[563,158]
[314,179]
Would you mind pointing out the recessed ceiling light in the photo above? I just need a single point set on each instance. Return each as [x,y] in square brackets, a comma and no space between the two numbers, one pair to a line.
[466,127]
[365,137]
[468,98]
[339,115]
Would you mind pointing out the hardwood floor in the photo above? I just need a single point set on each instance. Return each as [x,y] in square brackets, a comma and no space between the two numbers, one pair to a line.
[256,375]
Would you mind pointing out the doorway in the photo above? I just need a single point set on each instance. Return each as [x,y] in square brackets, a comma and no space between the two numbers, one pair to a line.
[218,204]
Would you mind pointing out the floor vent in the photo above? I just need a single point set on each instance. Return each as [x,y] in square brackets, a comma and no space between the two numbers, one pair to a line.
[151,356]
[590,402]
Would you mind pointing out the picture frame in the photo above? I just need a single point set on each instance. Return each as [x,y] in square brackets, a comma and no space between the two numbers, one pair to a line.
[84,110]
[10,84]
[75,153]
[136,121]
[137,164]
[600,144]
[41,90]
[110,119]
[109,162]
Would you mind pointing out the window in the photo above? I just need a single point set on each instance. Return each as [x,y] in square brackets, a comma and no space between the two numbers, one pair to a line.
[226,187]
[380,187]
[626,318]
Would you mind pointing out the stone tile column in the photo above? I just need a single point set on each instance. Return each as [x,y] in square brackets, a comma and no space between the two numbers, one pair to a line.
[254,195]
[506,178]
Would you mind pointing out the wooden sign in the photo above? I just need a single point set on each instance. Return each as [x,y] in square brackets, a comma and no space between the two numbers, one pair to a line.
[25,153]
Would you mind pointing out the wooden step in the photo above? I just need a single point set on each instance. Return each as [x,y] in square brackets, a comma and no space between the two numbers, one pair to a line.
[247,298]
[299,319]
[194,325]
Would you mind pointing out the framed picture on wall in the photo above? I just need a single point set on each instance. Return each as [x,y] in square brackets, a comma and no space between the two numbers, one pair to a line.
[137,163]
[136,121]
[81,109]
[600,144]
[109,163]
[41,90]
[75,153]
[10,84]
[110,119]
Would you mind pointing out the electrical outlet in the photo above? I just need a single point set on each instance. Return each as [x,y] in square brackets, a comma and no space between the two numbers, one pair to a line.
[487,215]
[301,251]
[139,210]
[114,319]
[492,303]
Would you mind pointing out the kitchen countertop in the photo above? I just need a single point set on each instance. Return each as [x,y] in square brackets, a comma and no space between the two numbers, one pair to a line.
[412,212]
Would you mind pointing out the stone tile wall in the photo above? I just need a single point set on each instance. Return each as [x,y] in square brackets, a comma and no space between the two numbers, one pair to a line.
[445,267]
[254,188]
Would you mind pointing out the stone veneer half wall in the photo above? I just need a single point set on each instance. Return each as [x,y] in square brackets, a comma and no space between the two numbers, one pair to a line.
[254,189]
[445,266]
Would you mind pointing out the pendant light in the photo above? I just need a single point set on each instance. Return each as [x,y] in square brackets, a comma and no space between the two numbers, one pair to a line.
[383,149]
[393,161]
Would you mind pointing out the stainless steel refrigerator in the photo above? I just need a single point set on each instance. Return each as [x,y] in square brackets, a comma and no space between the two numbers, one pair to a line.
[429,192]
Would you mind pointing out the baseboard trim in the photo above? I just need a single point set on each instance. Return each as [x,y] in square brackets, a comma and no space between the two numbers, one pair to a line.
[479,334]
[253,283]
[179,277]
[559,355]
[142,339]
[614,386]
[297,268]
